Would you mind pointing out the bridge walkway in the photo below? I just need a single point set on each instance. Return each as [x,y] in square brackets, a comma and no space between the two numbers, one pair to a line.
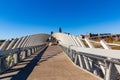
[55,65]
[50,64]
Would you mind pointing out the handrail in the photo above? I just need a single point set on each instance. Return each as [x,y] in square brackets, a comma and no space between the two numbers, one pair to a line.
[6,52]
[9,58]
[99,57]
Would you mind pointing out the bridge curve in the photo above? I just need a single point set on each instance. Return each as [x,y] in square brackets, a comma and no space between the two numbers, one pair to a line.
[100,60]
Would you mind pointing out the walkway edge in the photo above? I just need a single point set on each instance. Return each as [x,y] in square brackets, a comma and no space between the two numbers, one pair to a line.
[81,68]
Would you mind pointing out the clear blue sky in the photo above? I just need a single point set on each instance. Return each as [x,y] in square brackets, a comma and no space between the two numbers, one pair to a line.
[24,17]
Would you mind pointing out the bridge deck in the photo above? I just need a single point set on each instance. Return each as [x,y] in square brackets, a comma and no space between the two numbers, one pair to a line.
[58,67]
[52,65]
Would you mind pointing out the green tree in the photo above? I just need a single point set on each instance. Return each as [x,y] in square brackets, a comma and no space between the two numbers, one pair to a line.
[60,30]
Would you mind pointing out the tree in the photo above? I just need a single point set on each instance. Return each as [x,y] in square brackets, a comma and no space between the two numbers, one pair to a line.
[51,32]
[60,30]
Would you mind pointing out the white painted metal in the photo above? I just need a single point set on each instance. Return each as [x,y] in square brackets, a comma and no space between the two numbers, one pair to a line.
[80,41]
[106,53]
[116,67]
[104,44]
[89,43]
[12,43]
[98,52]
[75,40]
[17,43]
[4,45]
[21,42]
[24,42]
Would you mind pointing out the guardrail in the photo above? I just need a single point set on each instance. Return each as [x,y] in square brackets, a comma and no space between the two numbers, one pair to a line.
[9,58]
[97,61]
[96,57]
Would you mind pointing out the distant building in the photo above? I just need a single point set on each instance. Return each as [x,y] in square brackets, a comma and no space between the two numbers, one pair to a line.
[101,36]
[82,36]
[2,41]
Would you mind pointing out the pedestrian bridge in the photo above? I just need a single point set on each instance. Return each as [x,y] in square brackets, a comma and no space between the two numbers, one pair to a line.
[34,57]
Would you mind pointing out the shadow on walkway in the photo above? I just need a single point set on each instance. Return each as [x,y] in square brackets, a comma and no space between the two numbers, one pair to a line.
[24,72]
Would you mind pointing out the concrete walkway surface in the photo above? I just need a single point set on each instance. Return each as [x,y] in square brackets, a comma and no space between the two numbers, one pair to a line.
[49,64]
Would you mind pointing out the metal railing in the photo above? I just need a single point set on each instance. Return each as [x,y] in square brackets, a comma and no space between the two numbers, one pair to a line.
[9,58]
[97,61]
[97,57]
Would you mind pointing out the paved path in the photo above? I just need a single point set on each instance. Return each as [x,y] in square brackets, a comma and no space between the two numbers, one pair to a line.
[58,67]
[50,64]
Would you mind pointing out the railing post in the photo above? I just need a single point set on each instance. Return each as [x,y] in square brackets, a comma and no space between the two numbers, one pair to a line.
[115,67]
[108,72]
[76,57]
[24,54]
[16,56]
[88,67]
[91,46]
[81,61]
[31,51]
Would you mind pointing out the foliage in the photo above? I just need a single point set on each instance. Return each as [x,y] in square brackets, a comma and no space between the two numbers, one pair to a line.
[60,30]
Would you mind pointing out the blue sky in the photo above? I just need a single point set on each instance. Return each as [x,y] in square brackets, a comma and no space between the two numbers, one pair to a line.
[23,17]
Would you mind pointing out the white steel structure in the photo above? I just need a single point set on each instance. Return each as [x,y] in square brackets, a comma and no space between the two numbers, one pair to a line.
[103,62]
